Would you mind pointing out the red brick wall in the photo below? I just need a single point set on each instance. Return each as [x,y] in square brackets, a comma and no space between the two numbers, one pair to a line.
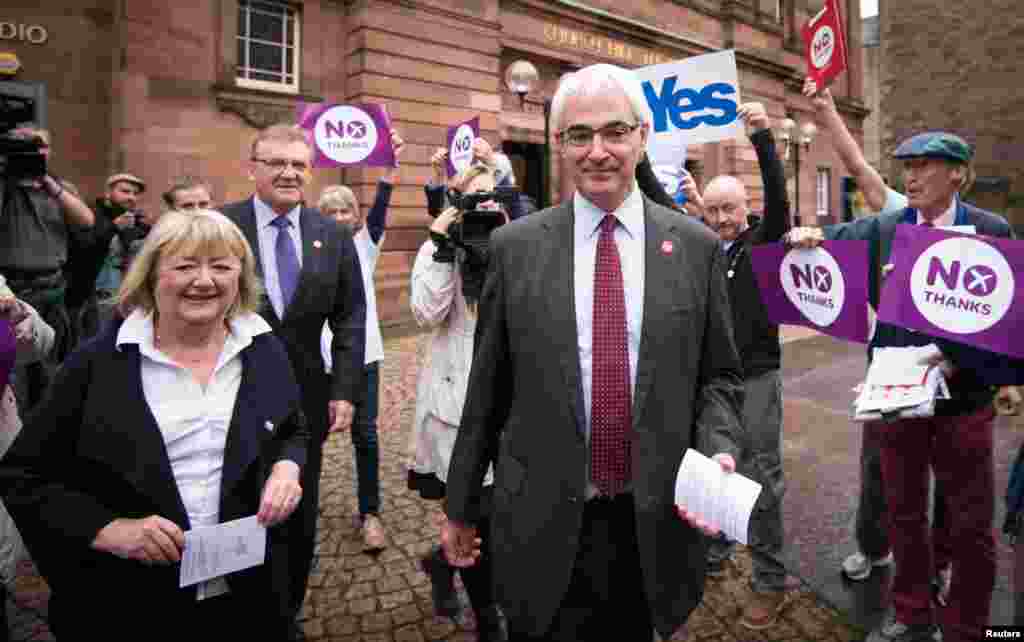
[956,66]
[76,64]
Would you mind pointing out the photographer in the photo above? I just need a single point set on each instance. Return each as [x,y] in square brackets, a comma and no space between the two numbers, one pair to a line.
[100,255]
[440,301]
[38,214]
[483,154]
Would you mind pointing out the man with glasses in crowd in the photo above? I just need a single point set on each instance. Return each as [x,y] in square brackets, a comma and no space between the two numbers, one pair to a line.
[310,269]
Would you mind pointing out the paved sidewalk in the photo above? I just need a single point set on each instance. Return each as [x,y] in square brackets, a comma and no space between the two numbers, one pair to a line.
[356,597]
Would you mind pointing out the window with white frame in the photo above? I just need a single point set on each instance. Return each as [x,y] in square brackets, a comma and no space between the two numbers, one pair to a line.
[824,191]
[268,46]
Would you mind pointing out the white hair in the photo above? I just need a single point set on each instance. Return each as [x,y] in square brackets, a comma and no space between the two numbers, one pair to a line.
[595,79]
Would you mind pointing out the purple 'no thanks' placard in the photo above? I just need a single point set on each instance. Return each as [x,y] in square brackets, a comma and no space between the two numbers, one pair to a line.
[956,286]
[460,145]
[344,135]
[825,288]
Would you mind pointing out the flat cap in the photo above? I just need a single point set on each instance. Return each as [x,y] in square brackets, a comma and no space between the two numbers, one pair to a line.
[127,178]
[935,145]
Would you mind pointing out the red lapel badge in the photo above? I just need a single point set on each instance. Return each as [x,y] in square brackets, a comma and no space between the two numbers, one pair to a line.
[317,244]
[666,247]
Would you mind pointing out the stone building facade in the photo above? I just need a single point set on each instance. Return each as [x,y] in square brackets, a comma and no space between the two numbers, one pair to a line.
[958,66]
[162,89]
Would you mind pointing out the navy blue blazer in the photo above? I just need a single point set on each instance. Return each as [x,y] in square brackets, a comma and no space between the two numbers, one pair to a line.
[330,289]
[92,452]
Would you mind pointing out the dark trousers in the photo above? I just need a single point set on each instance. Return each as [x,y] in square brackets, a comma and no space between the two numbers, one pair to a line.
[364,442]
[959,450]
[224,617]
[606,597]
[302,526]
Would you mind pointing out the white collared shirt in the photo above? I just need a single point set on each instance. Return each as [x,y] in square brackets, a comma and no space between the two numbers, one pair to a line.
[193,419]
[945,220]
[368,252]
[268,248]
[629,238]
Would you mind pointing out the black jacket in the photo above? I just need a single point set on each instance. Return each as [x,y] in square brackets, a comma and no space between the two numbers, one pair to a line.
[757,338]
[88,249]
[92,452]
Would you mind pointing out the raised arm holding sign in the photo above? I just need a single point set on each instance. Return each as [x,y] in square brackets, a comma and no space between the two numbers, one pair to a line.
[824,44]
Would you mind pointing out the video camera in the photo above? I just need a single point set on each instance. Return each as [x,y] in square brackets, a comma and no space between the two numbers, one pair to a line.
[20,158]
[469,240]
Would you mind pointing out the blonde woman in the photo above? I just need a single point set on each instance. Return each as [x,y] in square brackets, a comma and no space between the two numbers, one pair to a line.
[339,203]
[183,415]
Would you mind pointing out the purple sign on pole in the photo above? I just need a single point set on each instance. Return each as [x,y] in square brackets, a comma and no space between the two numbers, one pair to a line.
[460,145]
[345,135]
[825,288]
[8,351]
[956,286]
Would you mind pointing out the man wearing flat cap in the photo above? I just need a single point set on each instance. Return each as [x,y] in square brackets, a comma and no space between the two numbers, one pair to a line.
[99,256]
[957,442]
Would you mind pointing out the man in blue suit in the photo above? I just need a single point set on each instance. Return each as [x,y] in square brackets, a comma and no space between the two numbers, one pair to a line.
[310,268]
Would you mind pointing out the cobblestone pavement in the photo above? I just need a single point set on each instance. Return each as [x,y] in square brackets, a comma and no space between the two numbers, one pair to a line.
[357,597]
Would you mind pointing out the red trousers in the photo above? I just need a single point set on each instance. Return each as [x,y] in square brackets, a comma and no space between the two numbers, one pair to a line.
[959,451]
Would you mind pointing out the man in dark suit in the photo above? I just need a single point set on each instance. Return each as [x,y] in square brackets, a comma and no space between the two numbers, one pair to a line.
[957,442]
[604,350]
[311,271]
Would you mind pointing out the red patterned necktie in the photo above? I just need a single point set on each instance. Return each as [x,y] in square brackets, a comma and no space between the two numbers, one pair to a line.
[610,409]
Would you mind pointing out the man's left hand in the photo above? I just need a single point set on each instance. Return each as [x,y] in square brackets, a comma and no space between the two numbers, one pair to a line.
[728,465]
[340,413]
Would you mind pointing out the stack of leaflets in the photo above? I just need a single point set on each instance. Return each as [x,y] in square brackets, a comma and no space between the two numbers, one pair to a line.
[901,383]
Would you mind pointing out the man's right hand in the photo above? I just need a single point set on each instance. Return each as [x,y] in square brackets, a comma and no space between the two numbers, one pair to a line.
[150,540]
[460,543]
[805,237]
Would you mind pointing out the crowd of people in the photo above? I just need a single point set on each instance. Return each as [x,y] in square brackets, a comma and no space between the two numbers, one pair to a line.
[183,368]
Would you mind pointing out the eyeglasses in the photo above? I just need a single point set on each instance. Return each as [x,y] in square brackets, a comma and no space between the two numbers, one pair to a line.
[279,165]
[611,134]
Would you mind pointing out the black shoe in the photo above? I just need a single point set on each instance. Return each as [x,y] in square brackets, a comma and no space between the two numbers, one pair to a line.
[442,583]
[490,625]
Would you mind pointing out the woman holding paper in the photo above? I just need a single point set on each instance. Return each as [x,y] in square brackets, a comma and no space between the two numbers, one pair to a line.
[183,415]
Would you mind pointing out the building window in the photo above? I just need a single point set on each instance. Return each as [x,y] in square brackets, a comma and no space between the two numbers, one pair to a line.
[268,46]
[824,192]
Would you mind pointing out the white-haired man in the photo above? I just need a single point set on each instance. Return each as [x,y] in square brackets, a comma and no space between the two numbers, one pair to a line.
[587,417]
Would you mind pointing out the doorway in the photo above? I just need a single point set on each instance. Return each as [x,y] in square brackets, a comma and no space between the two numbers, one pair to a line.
[528,164]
